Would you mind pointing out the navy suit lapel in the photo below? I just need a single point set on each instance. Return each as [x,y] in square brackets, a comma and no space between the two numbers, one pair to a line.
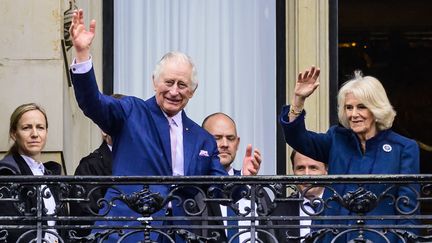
[296,212]
[188,143]
[215,210]
[162,126]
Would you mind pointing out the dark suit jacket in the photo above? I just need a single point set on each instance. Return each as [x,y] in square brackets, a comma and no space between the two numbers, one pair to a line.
[141,140]
[98,163]
[16,165]
[290,208]
[214,210]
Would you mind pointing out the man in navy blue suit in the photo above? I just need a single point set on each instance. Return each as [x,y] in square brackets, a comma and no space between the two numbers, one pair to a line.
[223,129]
[301,165]
[151,137]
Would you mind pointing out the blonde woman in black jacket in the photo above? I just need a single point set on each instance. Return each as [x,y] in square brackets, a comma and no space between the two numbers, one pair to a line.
[28,130]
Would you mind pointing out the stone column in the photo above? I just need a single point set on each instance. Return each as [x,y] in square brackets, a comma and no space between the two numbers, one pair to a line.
[307,31]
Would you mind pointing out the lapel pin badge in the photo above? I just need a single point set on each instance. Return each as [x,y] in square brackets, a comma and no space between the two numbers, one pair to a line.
[387,148]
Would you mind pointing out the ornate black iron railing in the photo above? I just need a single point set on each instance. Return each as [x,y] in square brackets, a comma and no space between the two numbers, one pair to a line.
[354,208]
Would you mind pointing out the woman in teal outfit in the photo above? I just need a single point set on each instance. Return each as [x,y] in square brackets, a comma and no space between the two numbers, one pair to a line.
[363,144]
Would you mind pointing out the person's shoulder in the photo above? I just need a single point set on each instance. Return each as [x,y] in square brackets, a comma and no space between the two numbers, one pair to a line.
[95,155]
[98,162]
[131,100]
[204,133]
[53,168]
[149,104]
[7,159]
[198,132]
[190,124]
[339,130]
[8,166]
[399,139]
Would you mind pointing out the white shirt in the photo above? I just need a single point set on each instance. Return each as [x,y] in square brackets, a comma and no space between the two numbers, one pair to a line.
[82,67]
[305,231]
[243,203]
[37,168]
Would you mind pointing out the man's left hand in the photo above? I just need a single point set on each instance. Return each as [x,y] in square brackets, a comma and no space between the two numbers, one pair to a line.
[251,162]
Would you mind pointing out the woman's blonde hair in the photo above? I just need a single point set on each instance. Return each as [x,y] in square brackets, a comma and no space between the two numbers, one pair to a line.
[369,91]
[16,116]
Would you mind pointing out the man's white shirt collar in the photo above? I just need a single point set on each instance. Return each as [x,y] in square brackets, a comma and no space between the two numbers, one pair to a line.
[231,171]
[306,200]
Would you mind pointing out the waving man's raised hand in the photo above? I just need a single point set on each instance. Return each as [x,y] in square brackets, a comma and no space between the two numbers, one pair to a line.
[81,38]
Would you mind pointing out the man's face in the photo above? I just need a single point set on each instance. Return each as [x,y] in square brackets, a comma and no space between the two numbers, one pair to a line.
[306,166]
[173,87]
[224,131]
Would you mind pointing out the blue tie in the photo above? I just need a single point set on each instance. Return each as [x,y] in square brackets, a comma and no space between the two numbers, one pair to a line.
[232,231]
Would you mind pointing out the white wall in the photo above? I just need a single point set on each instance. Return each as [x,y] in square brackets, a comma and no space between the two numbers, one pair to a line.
[32,70]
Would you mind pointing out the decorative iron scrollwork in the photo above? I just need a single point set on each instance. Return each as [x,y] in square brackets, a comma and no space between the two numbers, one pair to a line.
[357,226]
[3,235]
[360,201]
[144,202]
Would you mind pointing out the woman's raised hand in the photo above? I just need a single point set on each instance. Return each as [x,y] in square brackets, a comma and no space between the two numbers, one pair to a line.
[307,82]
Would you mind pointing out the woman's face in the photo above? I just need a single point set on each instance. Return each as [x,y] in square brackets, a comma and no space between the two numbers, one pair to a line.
[31,134]
[360,118]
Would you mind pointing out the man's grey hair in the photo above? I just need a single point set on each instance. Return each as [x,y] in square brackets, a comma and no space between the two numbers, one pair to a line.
[177,57]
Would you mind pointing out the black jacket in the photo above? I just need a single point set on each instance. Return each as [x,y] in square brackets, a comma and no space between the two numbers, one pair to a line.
[26,205]
[289,208]
[98,163]
[213,209]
